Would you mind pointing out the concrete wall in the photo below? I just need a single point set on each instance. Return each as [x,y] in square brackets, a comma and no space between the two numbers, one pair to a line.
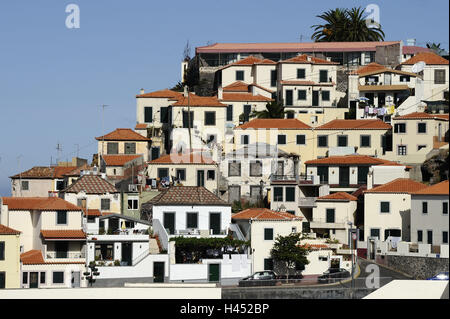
[36,187]
[11,264]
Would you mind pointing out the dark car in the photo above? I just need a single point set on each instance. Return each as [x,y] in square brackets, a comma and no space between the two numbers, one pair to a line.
[333,275]
[260,278]
[440,276]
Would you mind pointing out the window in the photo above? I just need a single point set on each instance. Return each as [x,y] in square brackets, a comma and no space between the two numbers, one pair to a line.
[245,139]
[230,113]
[163,172]
[180,173]
[290,114]
[424,207]
[211,138]
[210,118]
[60,185]
[2,280]
[330,215]
[401,149]
[421,128]
[384,207]
[273,78]
[301,94]
[375,232]
[81,202]
[430,237]
[268,233]
[278,194]
[362,174]
[293,229]
[301,139]
[234,168]
[25,185]
[164,114]
[148,114]
[211,175]
[2,250]
[289,97]
[322,171]
[105,204]
[58,277]
[342,140]
[256,168]
[268,264]
[445,208]
[445,237]
[104,252]
[325,95]
[439,76]
[290,194]
[323,76]
[322,141]
[133,204]
[404,78]
[191,220]
[112,148]
[400,128]
[25,277]
[186,122]
[239,75]
[365,141]
[419,147]
[419,236]
[130,148]
[61,217]
[301,73]
[247,111]
[42,278]
[281,139]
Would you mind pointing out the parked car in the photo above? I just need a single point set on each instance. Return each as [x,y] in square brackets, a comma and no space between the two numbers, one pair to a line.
[333,275]
[260,278]
[440,276]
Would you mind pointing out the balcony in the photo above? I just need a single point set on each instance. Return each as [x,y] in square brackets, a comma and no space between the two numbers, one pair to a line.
[324,223]
[65,256]
[307,202]
[197,233]
[301,179]
[284,178]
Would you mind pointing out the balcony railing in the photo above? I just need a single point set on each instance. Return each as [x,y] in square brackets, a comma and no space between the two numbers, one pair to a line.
[64,255]
[307,202]
[327,223]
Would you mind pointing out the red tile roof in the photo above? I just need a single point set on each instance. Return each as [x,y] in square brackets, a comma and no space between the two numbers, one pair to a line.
[436,189]
[187,195]
[412,49]
[399,185]
[355,125]
[63,234]
[368,68]
[307,59]
[430,58]
[161,94]
[141,126]
[91,184]
[118,160]
[8,231]
[39,203]
[242,87]
[352,159]
[377,88]
[122,134]
[306,83]
[264,214]
[195,100]
[77,171]
[422,116]
[92,212]
[34,257]
[245,97]
[338,196]
[183,158]
[249,61]
[44,172]
[285,124]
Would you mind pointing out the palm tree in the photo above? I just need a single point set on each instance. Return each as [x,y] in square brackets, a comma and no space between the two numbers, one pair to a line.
[274,110]
[436,48]
[346,25]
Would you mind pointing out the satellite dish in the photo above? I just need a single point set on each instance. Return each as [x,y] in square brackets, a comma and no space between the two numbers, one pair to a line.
[418,67]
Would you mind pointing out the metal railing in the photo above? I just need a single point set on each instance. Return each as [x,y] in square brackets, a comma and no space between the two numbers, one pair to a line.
[64,255]
[307,201]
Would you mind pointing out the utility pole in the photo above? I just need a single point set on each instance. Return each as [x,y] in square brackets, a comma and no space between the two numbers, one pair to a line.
[58,150]
[186,90]
[103,134]
[78,149]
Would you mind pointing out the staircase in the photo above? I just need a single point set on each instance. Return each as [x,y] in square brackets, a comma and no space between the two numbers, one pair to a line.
[235,228]
[153,246]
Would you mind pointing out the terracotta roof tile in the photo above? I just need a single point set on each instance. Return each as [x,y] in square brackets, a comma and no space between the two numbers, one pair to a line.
[422,116]
[286,124]
[77,171]
[32,257]
[63,234]
[44,172]
[195,100]
[355,125]
[436,189]
[338,196]
[264,214]
[427,57]
[306,83]
[8,231]
[245,97]
[386,70]
[394,87]
[122,134]
[141,126]
[399,185]
[249,61]
[39,203]
[412,49]
[307,59]
[237,86]
[352,159]
[161,94]
[187,195]
[91,184]
[92,212]
[368,68]
[183,158]
[118,160]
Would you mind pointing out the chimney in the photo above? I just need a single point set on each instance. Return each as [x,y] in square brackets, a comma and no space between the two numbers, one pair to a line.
[142,91]
[328,58]
[411,42]
[308,58]
[370,179]
[220,93]
[253,90]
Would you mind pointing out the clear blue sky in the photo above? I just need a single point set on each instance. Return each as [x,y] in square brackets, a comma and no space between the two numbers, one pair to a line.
[53,79]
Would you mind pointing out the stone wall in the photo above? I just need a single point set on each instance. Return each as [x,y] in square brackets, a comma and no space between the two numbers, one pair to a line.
[295,293]
[418,267]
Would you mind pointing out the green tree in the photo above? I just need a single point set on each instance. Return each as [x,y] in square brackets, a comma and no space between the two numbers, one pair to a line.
[287,250]
[436,48]
[346,25]
[274,110]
